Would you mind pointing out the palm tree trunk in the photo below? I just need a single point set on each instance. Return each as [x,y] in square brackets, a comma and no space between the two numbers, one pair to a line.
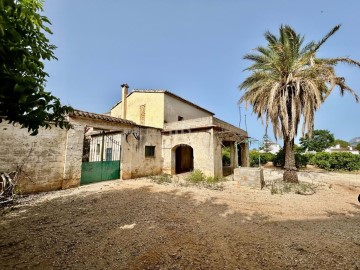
[290,175]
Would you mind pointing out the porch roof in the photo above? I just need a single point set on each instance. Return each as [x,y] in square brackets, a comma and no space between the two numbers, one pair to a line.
[104,117]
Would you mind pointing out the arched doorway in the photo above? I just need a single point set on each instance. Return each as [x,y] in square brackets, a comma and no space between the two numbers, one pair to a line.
[184,159]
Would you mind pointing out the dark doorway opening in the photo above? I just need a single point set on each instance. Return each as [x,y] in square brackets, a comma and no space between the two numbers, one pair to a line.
[227,169]
[239,154]
[184,159]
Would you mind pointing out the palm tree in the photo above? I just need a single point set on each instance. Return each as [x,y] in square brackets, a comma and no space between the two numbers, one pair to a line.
[288,82]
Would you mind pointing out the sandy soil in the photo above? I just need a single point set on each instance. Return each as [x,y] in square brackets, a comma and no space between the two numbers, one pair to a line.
[137,224]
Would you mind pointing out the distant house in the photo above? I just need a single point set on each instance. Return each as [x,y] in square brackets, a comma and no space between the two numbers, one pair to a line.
[337,148]
[269,146]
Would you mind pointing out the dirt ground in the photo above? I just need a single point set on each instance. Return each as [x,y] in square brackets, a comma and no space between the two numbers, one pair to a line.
[137,224]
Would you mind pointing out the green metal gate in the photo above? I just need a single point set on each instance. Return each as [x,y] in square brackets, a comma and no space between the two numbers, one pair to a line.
[101,158]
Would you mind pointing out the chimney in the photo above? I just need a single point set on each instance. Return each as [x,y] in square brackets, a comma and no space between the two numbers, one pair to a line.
[124,93]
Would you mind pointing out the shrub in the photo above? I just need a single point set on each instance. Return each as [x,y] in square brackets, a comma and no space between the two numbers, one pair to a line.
[337,161]
[301,160]
[309,157]
[198,178]
[279,159]
[264,158]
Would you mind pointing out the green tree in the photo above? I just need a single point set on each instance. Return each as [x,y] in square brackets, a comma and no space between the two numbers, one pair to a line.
[342,143]
[226,159]
[357,147]
[23,49]
[289,82]
[319,141]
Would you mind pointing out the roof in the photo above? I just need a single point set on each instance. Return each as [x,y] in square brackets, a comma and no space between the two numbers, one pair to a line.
[203,122]
[79,113]
[167,93]
[221,124]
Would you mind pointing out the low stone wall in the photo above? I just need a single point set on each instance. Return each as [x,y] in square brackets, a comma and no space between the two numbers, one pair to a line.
[251,177]
[316,177]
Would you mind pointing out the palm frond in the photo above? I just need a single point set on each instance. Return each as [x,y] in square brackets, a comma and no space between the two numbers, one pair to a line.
[289,83]
[327,36]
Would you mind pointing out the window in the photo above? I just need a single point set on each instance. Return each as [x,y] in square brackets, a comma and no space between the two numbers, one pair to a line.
[108,154]
[149,151]
[180,118]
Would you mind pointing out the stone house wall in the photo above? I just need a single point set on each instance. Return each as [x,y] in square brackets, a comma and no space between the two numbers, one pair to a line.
[175,108]
[202,143]
[42,157]
[52,160]
[153,110]
[134,164]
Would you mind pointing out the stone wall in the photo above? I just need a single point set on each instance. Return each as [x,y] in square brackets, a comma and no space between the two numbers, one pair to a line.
[42,157]
[73,154]
[251,177]
[133,161]
[52,160]
[203,150]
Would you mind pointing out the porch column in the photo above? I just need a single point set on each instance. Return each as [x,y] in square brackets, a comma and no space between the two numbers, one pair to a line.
[232,155]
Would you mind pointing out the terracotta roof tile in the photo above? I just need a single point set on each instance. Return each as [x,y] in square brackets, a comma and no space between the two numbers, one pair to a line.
[78,113]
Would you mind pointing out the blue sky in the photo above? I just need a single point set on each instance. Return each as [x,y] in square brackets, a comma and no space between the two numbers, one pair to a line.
[193,48]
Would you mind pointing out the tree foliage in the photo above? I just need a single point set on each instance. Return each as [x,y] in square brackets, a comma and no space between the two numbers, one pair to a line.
[342,143]
[341,161]
[357,147]
[301,160]
[289,82]
[23,49]
[319,141]
[226,159]
[255,156]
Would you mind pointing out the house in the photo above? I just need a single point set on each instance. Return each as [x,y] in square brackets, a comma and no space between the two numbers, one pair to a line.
[269,146]
[148,132]
[155,108]
[337,148]
[192,138]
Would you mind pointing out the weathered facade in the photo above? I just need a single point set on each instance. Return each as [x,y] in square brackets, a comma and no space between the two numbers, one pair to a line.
[53,159]
[42,158]
[205,136]
[154,108]
[148,133]
[192,138]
